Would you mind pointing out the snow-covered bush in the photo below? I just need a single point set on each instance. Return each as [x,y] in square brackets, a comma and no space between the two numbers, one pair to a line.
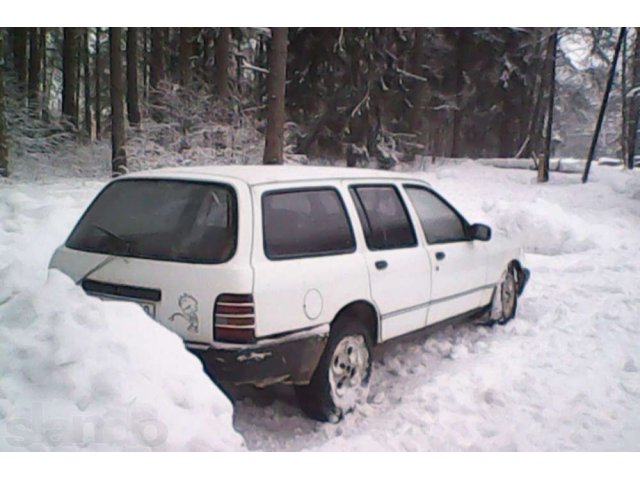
[192,127]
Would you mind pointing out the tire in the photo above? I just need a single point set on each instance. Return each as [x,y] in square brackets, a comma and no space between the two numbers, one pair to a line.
[341,379]
[508,291]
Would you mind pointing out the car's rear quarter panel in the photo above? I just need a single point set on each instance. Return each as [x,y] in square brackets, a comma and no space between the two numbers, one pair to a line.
[281,286]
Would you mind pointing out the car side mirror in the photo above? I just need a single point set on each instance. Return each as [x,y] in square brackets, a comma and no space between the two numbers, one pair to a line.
[481,232]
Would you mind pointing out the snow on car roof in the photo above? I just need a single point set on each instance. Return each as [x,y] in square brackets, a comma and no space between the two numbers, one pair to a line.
[261,174]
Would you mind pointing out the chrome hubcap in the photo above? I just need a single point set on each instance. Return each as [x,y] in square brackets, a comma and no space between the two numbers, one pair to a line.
[349,368]
[508,294]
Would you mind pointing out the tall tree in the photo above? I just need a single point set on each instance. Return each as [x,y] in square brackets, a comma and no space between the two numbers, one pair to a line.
[462,45]
[98,76]
[633,122]
[4,150]
[276,83]
[603,106]
[418,91]
[45,74]
[145,62]
[86,72]
[186,52]
[156,61]
[118,154]
[35,68]
[543,165]
[133,101]
[19,37]
[539,86]
[70,75]
[222,61]
[624,141]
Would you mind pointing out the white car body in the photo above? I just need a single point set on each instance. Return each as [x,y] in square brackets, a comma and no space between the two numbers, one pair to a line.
[298,298]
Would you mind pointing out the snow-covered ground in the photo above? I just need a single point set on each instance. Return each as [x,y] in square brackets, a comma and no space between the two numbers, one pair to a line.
[563,375]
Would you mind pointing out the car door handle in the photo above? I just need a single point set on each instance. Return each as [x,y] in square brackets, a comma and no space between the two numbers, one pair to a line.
[440,255]
[381,264]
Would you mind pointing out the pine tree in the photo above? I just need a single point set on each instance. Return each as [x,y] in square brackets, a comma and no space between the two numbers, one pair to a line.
[4,150]
[633,122]
[35,68]
[98,77]
[45,72]
[222,61]
[543,164]
[19,38]
[186,52]
[70,75]
[276,81]
[86,72]
[133,101]
[118,154]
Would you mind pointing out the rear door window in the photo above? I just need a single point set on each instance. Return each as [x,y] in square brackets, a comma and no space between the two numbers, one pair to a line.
[170,220]
[384,217]
[303,223]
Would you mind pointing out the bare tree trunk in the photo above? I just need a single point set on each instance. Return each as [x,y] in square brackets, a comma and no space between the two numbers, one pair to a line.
[456,134]
[4,150]
[543,164]
[603,106]
[186,52]
[118,154]
[536,121]
[222,62]
[624,141]
[276,83]
[634,104]
[156,65]
[145,62]
[70,75]
[133,101]
[35,67]
[45,79]
[98,74]
[86,71]
[19,37]
[416,114]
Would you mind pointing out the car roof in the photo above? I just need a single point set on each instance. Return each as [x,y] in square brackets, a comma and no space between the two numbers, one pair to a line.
[263,174]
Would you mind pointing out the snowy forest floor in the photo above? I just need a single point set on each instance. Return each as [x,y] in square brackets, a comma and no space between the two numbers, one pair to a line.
[563,375]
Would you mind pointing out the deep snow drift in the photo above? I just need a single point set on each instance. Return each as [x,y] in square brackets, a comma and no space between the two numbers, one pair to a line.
[77,373]
[563,375]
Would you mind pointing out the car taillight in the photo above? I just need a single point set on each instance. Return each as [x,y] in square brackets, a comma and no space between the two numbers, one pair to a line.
[234,319]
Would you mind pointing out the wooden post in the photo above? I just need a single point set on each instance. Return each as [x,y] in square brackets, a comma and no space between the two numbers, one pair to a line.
[603,107]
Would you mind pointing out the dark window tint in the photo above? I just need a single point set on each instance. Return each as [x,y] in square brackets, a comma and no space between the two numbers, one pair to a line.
[161,219]
[384,218]
[305,223]
[440,223]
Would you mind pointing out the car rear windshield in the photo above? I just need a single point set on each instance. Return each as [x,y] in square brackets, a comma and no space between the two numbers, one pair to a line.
[170,220]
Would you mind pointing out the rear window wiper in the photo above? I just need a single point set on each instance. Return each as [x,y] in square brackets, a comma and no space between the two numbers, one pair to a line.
[128,244]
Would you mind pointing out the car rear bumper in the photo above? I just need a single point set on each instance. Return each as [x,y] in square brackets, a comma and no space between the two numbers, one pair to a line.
[290,358]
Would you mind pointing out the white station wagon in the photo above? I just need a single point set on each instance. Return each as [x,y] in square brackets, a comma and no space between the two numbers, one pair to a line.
[290,274]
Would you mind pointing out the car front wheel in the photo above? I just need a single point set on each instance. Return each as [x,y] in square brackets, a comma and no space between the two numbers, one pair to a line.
[508,295]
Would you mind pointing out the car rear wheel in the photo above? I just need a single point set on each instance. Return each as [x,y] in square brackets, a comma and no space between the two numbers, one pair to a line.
[341,379]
